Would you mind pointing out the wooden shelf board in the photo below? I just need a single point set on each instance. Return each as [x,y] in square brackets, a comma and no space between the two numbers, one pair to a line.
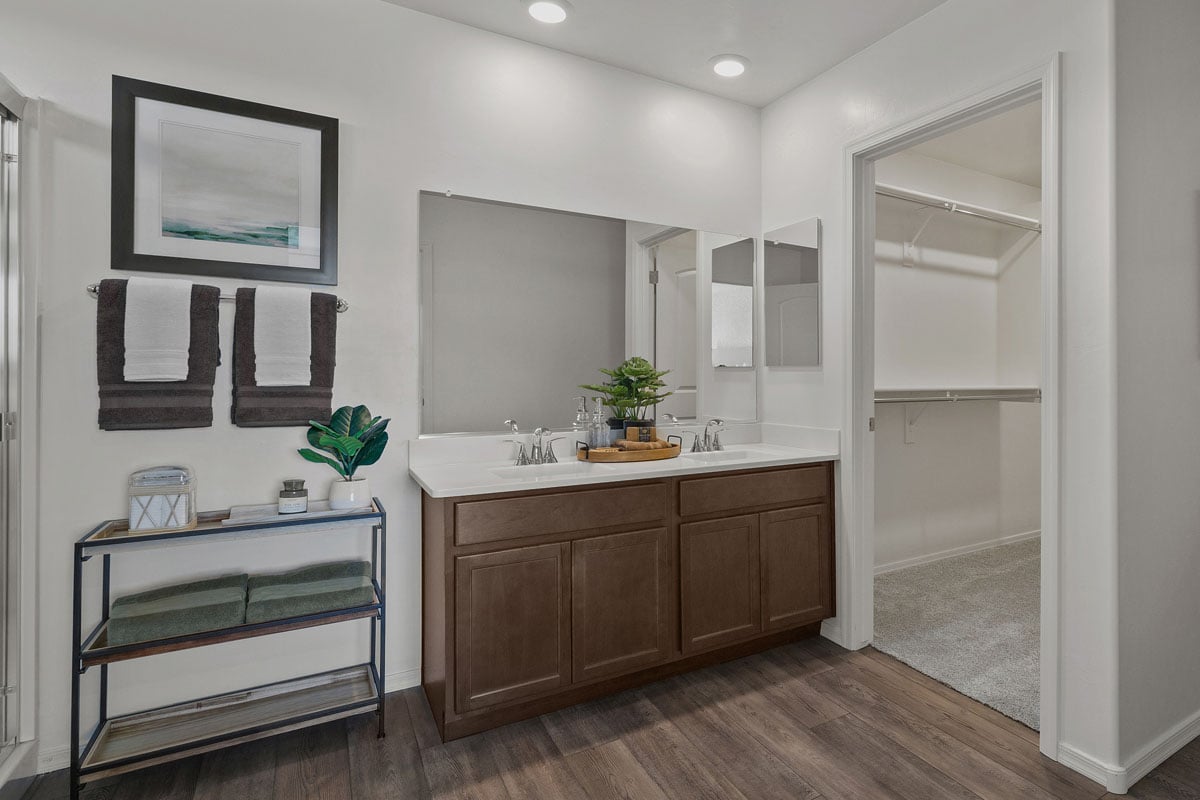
[134,741]
[98,652]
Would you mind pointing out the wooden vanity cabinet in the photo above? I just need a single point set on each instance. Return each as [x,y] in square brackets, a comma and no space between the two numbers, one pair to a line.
[538,600]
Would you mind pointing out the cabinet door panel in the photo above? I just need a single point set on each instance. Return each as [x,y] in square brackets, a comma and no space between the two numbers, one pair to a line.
[719,582]
[512,621]
[796,566]
[620,601]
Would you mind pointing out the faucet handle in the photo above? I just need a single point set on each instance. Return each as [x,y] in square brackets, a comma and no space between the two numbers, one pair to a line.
[512,425]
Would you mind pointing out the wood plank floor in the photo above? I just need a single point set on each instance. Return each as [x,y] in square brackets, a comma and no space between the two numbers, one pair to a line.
[800,722]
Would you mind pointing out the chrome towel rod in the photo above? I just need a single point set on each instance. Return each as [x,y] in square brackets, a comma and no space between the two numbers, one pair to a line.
[94,290]
[933,201]
[954,396]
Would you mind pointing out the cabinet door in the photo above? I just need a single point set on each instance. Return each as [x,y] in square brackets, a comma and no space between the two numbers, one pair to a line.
[719,582]
[512,624]
[620,601]
[797,564]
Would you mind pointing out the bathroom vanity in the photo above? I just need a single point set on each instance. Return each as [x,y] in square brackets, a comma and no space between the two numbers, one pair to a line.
[544,589]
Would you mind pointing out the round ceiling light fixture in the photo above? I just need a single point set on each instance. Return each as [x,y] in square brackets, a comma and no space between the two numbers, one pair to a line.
[729,65]
[551,12]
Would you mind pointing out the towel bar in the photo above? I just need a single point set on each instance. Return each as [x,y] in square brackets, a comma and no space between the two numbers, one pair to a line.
[94,290]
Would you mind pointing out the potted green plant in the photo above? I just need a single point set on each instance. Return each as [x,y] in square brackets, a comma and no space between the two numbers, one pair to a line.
[632,389]
[352,439]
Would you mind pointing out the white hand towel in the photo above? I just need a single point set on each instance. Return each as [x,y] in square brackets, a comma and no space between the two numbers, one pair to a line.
[158,329]
[282,336]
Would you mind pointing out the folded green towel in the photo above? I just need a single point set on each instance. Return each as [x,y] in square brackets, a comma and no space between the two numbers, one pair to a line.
[296,599]
[178,610]
[316,572]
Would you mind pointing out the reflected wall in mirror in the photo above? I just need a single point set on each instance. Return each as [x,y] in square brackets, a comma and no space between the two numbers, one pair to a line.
[521,305]
[732,302]
[792,295]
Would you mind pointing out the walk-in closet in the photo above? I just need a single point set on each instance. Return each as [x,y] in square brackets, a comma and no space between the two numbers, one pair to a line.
[957,320]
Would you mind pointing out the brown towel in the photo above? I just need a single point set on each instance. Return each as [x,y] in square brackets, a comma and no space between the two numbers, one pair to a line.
[283,406]
[152,406]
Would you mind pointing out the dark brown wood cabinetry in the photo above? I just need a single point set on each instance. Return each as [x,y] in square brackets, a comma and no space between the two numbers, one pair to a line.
[538,600]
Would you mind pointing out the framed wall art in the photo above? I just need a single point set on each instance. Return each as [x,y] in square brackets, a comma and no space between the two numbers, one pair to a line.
[210,185]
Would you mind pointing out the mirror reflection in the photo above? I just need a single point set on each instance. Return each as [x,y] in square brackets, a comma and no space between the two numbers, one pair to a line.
[732,302]
[530,303]
[792,295]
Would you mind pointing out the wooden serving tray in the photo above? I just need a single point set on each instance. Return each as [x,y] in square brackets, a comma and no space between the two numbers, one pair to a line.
[611,455]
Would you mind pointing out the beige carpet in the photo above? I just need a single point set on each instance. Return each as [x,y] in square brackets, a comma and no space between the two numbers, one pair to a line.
[971,622]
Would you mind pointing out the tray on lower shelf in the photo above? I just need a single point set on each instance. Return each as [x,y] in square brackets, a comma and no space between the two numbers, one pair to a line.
[97,650]
[164,734]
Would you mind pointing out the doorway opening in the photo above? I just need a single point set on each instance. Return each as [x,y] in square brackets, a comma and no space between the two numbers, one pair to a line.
[951,452]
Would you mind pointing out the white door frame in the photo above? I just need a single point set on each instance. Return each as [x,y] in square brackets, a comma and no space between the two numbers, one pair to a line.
[859,451]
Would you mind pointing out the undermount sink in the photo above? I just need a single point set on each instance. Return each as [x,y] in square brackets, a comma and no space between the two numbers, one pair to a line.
[563,469]
[719,455]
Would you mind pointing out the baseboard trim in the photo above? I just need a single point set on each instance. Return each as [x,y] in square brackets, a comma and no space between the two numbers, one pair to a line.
[404,679]
[929,558]
[56,758]
[1112,777]
[1158,751]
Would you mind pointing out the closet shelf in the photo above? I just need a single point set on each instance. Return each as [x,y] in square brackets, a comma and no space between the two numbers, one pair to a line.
[956,207]
[1021,394]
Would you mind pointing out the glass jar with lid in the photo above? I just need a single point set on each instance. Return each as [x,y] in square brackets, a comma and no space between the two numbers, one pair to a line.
[162,499]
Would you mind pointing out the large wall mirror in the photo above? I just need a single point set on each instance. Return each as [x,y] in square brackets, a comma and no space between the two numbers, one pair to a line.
[792,295]
[521,305]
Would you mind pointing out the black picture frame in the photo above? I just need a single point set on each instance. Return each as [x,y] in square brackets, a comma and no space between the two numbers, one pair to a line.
[125,93]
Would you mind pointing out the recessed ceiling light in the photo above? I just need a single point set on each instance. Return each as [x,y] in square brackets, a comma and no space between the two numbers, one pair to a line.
[548,11]
[729,65]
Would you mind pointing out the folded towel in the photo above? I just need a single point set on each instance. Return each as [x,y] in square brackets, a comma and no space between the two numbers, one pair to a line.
[282,406]
[178,610]
[158,329]
[315,572]
[313,597]
[128,405]
[282,336]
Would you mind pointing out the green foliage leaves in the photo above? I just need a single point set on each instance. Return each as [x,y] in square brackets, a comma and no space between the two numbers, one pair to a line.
[632,388]
[353,439]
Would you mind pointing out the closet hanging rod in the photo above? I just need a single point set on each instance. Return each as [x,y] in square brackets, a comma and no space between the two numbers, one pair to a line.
[1003,217]
[94,290]
[956,395]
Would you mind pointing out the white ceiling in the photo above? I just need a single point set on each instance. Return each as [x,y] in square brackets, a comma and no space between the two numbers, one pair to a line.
[787,41]
[1008,145]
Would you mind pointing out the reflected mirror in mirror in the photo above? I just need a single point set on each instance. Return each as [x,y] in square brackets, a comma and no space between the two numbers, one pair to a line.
[732,301]
[521,305]
[792,295]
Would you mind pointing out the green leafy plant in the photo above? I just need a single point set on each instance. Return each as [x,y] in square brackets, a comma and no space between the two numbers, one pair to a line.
[353,439]
[632,388]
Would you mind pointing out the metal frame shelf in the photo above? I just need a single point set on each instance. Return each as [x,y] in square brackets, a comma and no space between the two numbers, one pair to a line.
[118,745]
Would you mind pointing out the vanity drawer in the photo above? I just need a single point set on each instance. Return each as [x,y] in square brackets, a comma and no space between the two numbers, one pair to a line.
[479,521]
[794,486]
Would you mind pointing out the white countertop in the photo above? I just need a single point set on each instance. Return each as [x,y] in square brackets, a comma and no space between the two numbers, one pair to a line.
[474,478]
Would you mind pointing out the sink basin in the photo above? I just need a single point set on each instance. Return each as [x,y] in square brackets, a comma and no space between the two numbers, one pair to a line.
[560,470]
[719,455]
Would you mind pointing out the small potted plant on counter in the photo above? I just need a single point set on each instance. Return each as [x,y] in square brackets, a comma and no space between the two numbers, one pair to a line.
[353,439]
[632,389]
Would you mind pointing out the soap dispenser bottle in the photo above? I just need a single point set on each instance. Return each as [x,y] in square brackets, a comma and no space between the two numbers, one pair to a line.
[599,431]
[581,428]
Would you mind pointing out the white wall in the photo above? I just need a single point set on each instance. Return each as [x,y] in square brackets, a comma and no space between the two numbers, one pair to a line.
[423,104]
[525,305]
[957,50]
[1158,323]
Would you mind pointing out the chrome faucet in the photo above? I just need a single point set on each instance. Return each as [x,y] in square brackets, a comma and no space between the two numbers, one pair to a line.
[541,451]
[522,456]
[712,438]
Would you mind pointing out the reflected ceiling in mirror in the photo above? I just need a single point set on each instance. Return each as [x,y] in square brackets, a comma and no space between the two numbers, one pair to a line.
[792,295]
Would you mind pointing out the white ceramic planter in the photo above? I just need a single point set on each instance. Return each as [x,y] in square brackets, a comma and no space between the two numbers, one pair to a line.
[345,495]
